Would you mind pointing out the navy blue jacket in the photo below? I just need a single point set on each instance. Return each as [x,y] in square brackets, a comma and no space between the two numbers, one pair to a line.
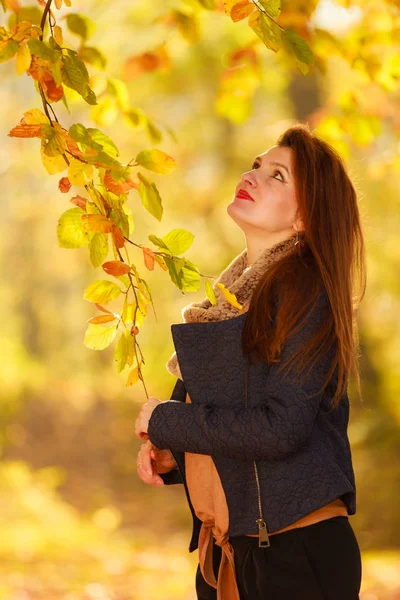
[301,449]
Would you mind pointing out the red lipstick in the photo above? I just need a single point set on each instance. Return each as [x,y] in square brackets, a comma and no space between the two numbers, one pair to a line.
[244,195]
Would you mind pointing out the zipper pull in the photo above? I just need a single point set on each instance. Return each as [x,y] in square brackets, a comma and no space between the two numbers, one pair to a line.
[263,539]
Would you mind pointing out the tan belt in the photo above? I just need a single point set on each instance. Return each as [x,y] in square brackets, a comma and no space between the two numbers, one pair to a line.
[226,584]
[335,508]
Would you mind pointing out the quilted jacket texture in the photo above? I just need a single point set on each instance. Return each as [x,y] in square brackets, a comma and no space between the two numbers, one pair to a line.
[302,451]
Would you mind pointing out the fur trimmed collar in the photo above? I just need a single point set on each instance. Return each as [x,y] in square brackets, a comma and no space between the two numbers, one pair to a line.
[239,280]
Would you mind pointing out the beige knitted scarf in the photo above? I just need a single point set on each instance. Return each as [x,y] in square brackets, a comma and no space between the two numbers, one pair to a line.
[238,279]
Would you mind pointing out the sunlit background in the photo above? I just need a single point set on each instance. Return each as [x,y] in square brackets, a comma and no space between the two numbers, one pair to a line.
[76,521]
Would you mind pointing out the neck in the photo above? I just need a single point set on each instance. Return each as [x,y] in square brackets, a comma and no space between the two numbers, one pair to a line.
[255,246]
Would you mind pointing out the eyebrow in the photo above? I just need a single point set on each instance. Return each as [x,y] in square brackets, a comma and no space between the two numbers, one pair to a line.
[274,163]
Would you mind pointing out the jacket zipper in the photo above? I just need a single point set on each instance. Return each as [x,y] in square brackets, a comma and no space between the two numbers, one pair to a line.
[263,539]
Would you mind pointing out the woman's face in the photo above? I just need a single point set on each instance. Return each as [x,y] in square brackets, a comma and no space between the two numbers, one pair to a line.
[272,188]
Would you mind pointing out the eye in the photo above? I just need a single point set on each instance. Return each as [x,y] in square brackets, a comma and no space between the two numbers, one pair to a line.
[256,164]
[279,174]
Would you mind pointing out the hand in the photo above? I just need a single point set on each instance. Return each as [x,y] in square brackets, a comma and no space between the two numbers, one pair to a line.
[142,422]
[151,461]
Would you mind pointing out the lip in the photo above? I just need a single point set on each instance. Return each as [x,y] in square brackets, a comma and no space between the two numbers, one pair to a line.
[242,194]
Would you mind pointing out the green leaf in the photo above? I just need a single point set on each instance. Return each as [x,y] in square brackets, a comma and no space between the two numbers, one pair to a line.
[53,140]
[119,89]
[93,56]
[210,292]
[271,7]
[150,196]
[80,134]
[121,220]
[93,138]
[121,352]
[70,230]
[299,46]
[159,242]
[33,14]
[102,291]
[3,4]
[156,160]
[81,25]
[187,279]
[152,131]
[104,140]
[136,117]
[98,247]
[76,76]
[208,4]
[178,240]
[99,336]
[8,49]
[42,50]
[266,29]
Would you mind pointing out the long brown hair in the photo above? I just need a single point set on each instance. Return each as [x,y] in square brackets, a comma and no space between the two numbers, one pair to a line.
[327,259]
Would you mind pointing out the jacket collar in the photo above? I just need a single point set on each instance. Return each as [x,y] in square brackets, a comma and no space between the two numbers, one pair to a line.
[239,280]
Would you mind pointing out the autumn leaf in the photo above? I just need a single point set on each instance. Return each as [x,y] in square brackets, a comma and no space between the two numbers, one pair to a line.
[231,298]
[64,185]
[53,139]
[79,173]
[148,256]
[242,10]
[118,236]
[99,336]
[97,223]
[156,160]
[30,125]
[79,201]
[116,267]
[23,59]
[102,291]
[118,187]
[102,319]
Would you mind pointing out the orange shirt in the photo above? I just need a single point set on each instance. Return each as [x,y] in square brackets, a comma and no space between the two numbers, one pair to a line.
[209,502]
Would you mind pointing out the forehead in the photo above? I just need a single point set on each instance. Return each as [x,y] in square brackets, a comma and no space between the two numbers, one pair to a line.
[279,154]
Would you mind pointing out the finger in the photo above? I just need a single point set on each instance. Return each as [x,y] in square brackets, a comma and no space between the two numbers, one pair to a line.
[146,461]
[145,469]
[153,480]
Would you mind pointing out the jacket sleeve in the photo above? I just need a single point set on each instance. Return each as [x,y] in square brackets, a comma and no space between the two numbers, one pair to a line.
[271,430]
[174,476]
[171,477]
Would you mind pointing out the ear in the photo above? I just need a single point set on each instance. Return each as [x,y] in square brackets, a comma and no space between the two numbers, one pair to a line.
[298,225]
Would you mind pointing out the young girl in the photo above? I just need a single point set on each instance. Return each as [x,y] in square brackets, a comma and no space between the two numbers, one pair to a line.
[256,426]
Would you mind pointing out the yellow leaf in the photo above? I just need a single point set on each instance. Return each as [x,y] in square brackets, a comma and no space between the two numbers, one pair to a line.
[53,164]
[231,298]
[121,353]
[79,173]
[98,337]
[34,116]
[156,160]
[23,59]
[102,291]
[58,36]
[53,139]
[133,377]
[228,5]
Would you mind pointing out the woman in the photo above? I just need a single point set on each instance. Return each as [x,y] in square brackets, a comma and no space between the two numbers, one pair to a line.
[256,426]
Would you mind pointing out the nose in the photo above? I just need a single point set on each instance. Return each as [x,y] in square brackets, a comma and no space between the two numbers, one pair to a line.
[248,178]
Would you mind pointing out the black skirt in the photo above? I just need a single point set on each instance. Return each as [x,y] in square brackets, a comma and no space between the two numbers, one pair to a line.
[321,561]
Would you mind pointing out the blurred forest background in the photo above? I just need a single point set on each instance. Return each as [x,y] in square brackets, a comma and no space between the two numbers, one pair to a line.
[76,520]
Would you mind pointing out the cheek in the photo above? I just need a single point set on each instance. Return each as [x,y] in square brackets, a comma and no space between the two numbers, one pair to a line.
[276,201]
